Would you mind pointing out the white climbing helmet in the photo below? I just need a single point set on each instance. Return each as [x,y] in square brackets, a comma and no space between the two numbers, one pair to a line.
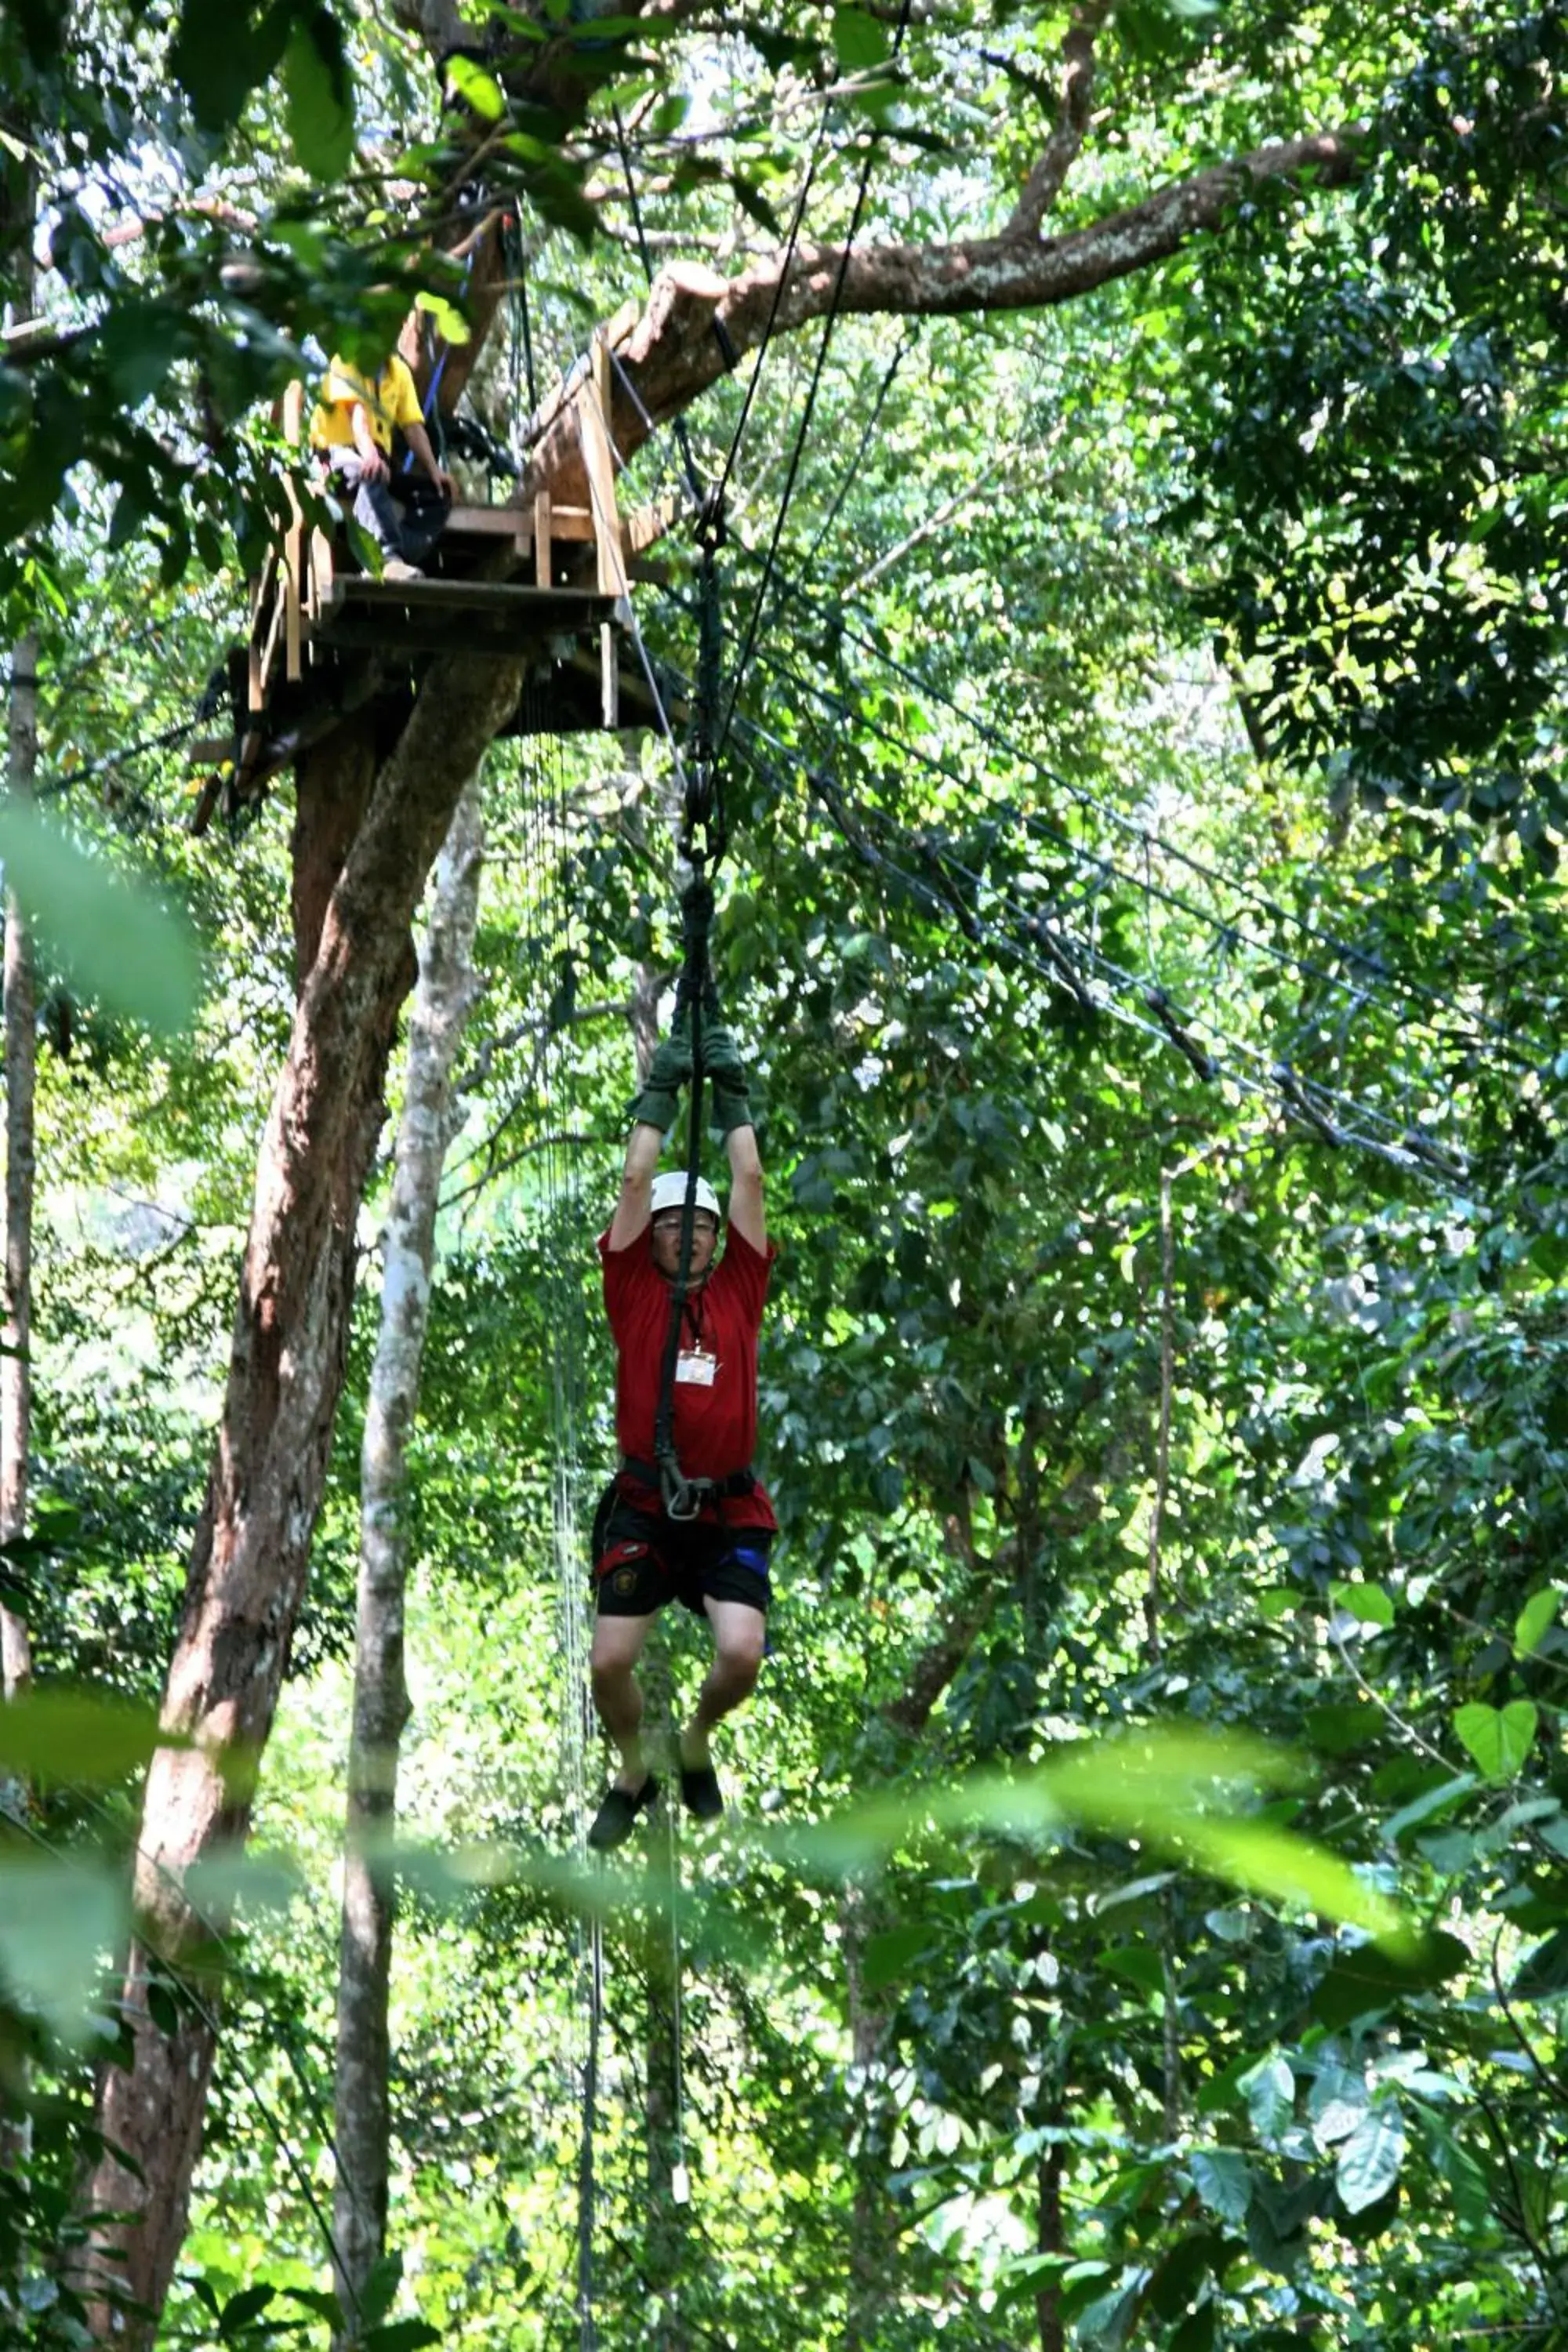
[669,1192]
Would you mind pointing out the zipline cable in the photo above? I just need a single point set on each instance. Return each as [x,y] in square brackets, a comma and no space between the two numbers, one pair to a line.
[682,431]
[1295,1089]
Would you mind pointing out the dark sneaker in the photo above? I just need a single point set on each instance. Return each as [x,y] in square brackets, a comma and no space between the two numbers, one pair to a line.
[701,1792]
[617,1815]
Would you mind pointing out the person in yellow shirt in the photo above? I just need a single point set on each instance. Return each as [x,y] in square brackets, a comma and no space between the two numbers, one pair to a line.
[352,429]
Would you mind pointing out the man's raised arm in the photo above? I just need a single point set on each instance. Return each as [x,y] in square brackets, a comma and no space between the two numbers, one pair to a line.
[653,1114]
[733,1109]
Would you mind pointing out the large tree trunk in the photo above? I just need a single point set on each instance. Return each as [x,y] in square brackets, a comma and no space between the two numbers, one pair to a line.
[246,1577]
[442,1002]
[21,1071]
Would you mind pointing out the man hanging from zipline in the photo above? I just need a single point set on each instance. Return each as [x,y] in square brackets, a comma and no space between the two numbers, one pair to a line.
[714,1561]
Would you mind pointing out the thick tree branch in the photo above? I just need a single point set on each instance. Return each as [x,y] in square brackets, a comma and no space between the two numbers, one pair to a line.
[670,354]
[1045,182]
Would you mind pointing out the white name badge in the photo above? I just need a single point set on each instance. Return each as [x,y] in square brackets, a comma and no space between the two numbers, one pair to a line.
[695,1369]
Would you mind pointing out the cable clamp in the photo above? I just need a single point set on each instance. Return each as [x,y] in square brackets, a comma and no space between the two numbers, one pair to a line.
[727,351]
[713,529]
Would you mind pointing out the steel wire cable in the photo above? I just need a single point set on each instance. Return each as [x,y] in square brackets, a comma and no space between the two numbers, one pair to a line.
[1123,980]
[986,729]
[1297,1090]
[1259,1086]
[1045,828]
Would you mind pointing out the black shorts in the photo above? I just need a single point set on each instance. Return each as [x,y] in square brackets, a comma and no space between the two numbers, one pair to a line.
[643,1559]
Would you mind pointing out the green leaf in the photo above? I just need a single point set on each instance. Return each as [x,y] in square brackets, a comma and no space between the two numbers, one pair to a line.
[376,2295]
[1196,2333]
[1538,1613]
[1177,2278]
[1543,1974]
[1369,1603]
[887,1955]
[1338,2101]
[859,41]
[319,94]
[450,321]
[139,341]
[59,1921]
[1368,2163]
[1367,1979]
[325,2307]
[400,2335]
[109,933]
[1499,1738]
[1136,1964]
[220,55]
[242,2308]
[78,1739]
[1439,1799]
[1343,1724]
[1223,2179]
[1269,2090]
[479,90]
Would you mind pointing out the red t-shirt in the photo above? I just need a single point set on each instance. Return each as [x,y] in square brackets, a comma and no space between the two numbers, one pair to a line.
[715,1426]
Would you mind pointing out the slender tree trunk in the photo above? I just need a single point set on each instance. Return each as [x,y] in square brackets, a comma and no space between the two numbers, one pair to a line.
[21,1069]
[357,882]
[1049,2241]
[18,206]
[872,2232]
[442,1003]
[668,2241]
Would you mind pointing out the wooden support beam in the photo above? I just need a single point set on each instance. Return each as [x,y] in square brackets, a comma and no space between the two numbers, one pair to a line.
[294,537]
[648,524]
[609,675]
[543,530]
[259,600]
[599,459]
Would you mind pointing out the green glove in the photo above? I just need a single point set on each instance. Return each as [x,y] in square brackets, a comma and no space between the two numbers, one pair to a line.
[722,1064]
[721,1058]
[670,1070]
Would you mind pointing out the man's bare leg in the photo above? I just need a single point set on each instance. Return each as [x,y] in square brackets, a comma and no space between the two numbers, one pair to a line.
[617,1646]
[740,1636]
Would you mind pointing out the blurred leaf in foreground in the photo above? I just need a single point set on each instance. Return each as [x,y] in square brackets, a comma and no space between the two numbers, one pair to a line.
[106,930]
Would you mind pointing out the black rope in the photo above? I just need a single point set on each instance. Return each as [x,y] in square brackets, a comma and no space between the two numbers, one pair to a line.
[852,471]
[682,432]
[694,995]
[798,452]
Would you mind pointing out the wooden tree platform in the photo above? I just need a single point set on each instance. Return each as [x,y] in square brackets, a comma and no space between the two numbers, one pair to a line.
[311,612]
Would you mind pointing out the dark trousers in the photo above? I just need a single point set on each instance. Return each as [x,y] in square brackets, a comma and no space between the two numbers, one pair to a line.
[403,516]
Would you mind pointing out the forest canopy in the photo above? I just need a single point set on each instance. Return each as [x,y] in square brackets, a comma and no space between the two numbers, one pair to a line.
[1122,446]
